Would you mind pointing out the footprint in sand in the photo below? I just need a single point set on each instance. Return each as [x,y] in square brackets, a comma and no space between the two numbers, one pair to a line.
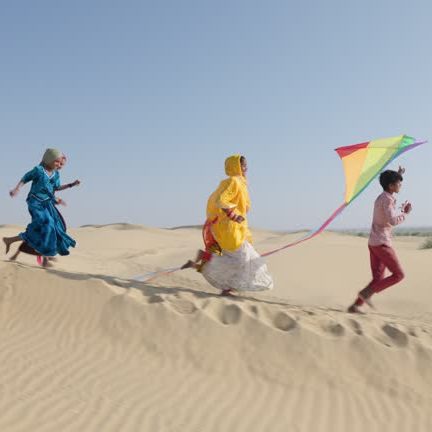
[254,310]
[155,298]
[397,336]
[284,322]
[230,314]
[412,332]
[356,327]
[182,306]
[334,328]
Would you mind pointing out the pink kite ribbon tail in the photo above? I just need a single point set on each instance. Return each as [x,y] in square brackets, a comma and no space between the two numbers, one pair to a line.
[148,277]
[162,273]
[312,234]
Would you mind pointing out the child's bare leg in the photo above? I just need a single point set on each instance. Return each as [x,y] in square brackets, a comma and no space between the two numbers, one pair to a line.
[15,255]
[200,256]
[9,240]
[195,263]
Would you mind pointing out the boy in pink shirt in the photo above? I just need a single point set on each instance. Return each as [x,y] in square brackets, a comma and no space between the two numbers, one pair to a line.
[382,254]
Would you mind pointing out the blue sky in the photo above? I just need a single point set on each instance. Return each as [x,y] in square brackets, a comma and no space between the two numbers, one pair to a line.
[148,98]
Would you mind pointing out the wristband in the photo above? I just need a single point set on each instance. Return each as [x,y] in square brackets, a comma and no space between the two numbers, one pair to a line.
[231,215]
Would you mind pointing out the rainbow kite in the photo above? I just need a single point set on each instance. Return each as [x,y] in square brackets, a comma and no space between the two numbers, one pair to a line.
[362,163]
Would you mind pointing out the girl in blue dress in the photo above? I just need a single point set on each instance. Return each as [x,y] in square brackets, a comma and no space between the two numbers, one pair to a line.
[46,234]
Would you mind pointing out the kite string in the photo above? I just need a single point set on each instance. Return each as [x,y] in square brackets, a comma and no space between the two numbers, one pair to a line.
[148,277]
[311,234]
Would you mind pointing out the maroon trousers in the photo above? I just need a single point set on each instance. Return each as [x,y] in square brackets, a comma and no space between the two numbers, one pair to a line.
[381,258]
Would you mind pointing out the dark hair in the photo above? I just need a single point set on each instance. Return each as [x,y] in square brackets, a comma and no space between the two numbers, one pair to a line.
[242,159]
[389,177]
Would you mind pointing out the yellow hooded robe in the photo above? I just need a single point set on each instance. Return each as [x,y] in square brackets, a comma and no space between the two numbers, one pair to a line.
[232,193]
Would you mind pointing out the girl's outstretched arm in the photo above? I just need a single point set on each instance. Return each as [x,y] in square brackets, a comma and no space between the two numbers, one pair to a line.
[30,176]
[69,185]
[14,192]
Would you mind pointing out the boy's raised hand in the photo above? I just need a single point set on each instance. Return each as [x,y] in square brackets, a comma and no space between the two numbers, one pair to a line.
[401,170]
[406,207]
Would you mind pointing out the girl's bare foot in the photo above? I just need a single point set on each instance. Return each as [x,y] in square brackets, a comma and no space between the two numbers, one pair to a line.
[7,243]
[227,293]
[189,264]
[9,240]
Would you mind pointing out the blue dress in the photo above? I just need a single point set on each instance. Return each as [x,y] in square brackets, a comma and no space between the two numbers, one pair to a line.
[46,233]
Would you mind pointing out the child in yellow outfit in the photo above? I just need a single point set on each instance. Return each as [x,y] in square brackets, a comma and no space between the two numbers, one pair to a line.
[237,266]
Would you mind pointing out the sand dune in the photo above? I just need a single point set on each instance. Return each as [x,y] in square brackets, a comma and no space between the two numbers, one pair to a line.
[86,348]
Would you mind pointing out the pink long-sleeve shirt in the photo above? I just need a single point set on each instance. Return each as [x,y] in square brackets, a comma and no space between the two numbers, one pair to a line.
[384,219]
